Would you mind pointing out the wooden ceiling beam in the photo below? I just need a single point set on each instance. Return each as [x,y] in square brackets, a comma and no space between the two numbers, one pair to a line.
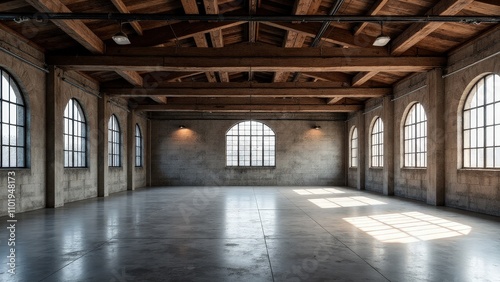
[190,7]
[247,50]
[76,29]
[334,35]
[334,100]
[212,8]
[132,77]
[159,99]
[252,108]
[418,31]
[358,29]
[122,8]
[244,64]
[294,39]
[241,90]
[81,33]
[362,77]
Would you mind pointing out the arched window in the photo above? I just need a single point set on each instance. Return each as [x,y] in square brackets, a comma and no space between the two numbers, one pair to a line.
[114,142]
[377,143]
[13,123]
[481,124]
[75,135]
[415,137]
[138,146]
[250,143]
[353,160]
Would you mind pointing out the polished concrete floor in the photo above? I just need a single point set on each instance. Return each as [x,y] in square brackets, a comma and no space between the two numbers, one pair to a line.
[253,234]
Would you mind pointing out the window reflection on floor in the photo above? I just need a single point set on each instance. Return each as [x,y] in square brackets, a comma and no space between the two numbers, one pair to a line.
[328,203]
[324,191]
[408,227]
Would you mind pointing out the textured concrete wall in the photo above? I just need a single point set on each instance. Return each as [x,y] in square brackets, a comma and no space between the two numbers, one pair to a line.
[196,155]
[471,189]
[30,182]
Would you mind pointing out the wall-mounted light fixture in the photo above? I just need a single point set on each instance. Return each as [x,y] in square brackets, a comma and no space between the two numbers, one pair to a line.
[316,127]
[182,126]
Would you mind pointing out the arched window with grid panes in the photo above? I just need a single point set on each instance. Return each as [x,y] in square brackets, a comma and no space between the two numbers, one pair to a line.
[114,142]
[377,143]
[481,124]
[353,148]
[415,137]
[13,123]
[75,135]
[138,146]
[250,143]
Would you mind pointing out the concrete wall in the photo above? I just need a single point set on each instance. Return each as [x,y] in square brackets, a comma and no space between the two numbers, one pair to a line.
[30,182]
[471,189]
[196,155]
[443,181]
[45,182]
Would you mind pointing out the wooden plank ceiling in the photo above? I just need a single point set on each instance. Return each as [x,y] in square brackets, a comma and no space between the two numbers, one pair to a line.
[242,66]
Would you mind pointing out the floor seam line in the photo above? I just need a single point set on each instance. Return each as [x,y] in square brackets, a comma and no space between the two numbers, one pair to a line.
[264,235]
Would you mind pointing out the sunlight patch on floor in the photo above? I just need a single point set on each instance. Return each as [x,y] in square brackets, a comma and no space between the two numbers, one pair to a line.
[408,227]
[324,191]
[328,203]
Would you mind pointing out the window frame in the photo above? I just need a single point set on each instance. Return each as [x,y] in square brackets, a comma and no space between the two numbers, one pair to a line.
[20,125]
[416,137]
[474,130]
[353,158]
[139,145]
[271,157]
[377,143]
[84,138]
[114,142]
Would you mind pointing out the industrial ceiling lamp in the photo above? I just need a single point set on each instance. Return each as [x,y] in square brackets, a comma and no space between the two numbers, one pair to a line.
[382,39]
[121,38]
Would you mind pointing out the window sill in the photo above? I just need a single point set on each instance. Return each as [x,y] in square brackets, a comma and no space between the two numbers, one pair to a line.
[377,167]
[480,169]
[414,168]
[250,167]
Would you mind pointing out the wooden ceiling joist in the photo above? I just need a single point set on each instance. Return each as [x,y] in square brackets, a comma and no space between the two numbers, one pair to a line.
[244,64]
[362,77]
[252,108]
[418,31]
[237,89]
[122,8]
[374,10]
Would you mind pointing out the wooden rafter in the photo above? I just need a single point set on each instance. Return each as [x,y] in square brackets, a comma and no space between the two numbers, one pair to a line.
[295,39]
[418,31]
[334,35]
[190,7]
[122,8]
[81,33]
[362,77]
[212,8]
[358,29]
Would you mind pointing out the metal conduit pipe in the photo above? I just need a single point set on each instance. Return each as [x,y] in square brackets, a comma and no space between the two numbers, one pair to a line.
[20,17]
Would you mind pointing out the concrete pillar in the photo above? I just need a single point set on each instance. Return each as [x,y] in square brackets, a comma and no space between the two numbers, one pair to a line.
[361,151]
[388,118]
[436,139]
[55,143]
[131,120]
[102,147]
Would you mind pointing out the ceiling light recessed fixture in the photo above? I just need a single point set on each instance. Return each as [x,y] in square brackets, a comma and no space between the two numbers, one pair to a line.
[382,39]
[121,38]
[316,127]
[182,126]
